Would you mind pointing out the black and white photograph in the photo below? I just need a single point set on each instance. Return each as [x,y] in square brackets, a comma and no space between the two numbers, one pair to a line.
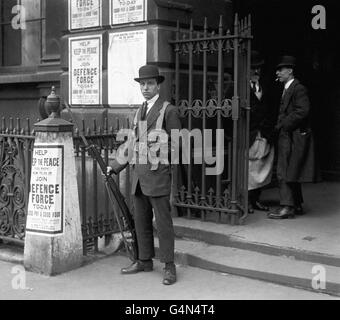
[169,155]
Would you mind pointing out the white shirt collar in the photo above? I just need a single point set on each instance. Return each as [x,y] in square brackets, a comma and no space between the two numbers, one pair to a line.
[288,83]
[151,102]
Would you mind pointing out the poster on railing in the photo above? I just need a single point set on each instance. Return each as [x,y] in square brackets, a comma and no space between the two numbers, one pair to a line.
[84,14]
[126,54]
[45,214]
[85,84]
[126,11]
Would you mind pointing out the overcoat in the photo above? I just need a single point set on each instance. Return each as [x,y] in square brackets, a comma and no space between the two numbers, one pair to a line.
[296,154]
[154,183]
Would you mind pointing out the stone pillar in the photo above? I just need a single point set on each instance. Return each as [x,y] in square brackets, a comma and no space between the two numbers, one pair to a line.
[53,242]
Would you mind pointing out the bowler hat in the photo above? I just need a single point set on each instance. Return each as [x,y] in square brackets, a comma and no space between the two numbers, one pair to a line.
[256,59]
[149,71]
[287,61]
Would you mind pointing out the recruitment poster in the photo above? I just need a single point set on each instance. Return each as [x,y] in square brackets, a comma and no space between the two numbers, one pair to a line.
[127,53]
[85,70]
[125,11]
[84,14]
[45,206]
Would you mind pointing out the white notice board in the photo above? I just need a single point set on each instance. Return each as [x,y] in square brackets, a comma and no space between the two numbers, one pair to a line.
[126,54]
[127,11]
[45,213]
[84,14]
[85,70]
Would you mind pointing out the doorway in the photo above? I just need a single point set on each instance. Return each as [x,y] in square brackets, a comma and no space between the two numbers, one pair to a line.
[283,27]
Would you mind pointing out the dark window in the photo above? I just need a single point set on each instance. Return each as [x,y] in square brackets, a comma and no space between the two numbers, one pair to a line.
[10,36]
[54,23]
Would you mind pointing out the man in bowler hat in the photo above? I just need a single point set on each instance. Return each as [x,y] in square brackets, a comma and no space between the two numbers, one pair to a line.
[151,185]
[296,160]
[261,153]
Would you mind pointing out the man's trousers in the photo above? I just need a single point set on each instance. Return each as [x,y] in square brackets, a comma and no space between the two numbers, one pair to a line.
[290,193]
[144,208]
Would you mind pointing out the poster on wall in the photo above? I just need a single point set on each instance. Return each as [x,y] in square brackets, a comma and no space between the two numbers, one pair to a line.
[126,11]
[126,54]
[84,14]
[46,199]
[85,69]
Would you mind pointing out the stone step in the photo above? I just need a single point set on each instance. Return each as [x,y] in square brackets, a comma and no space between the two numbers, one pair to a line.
[12,253]
[282,270]
[215,234]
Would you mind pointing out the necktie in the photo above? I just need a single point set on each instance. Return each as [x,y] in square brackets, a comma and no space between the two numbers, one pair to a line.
[144,109]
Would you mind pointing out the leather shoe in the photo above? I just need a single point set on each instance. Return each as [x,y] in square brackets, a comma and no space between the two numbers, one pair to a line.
[299,210]
[283,213]
[138,266]
[169,274]
[259,206]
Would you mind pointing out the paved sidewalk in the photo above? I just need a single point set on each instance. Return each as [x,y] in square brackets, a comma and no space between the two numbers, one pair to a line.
[317,231]
[102,280]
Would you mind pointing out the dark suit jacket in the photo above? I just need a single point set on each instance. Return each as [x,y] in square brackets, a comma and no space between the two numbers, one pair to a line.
[296,156]
[260,117]
[153,183]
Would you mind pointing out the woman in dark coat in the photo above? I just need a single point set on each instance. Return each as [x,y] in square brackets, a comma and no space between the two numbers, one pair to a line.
[261,152]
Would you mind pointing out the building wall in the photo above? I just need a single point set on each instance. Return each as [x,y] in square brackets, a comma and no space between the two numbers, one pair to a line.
[30,54]
[37,65]
[14,96]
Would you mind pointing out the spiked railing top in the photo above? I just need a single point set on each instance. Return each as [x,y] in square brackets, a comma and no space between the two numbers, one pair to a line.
[242,30]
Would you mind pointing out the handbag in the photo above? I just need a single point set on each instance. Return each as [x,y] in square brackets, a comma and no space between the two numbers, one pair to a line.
[259,149]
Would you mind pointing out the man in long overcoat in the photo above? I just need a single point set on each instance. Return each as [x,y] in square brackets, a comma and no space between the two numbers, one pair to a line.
[296,159]
[151,182]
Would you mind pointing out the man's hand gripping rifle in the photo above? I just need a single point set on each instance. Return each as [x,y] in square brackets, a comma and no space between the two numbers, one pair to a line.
[124,218]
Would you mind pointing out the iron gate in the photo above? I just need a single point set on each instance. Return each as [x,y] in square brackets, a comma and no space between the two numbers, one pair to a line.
[207,102]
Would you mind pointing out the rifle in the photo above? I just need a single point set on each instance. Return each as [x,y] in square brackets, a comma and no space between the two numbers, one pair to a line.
[124,217]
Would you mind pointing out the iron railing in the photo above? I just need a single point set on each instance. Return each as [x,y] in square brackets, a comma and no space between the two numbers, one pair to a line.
[97,212]
[16,147]
[204,63]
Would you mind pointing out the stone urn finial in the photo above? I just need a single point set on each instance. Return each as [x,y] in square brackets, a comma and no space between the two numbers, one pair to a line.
[53,104]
